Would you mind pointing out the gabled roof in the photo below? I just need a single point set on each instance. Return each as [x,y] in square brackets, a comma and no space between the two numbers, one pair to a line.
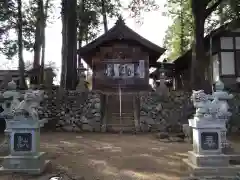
[184,60]
[121,32]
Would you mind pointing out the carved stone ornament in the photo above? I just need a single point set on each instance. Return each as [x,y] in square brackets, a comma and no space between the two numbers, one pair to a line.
[28,106]
[10,100]
[211,107]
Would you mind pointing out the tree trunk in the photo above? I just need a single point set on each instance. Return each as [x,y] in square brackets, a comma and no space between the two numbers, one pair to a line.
[69,49]
[182,30]
[71,75]
[45,14]
[80,29]
[43,57]
[38,41]
[64,45]
[37,45]
[221,14]
[104,14]
[104,96]
[22,82]
[199,58]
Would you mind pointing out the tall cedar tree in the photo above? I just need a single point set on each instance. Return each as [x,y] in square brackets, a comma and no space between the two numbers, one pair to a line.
[22,82]
[69,46]
[200,10]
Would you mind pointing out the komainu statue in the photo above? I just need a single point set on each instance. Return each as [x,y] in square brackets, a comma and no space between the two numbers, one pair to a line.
[28,106]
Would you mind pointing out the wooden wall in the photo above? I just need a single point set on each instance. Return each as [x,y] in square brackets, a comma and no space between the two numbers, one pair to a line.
[119,53]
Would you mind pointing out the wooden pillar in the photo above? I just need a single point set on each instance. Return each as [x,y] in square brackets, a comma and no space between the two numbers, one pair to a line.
[177,81]
[104,112]
[136,105]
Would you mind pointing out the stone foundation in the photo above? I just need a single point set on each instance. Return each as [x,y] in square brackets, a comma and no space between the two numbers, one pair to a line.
[24,164]
[76,112]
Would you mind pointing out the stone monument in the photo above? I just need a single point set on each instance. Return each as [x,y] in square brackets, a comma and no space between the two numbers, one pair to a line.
[24,128]
[209,126]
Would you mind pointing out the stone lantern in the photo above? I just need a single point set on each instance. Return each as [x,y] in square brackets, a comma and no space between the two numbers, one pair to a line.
[48,77]
[81,78]
[162,89]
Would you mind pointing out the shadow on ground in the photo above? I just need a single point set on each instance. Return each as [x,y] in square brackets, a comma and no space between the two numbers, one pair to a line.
[113,156]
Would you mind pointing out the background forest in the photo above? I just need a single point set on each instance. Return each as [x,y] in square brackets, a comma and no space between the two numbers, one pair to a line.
[23,27]
[23,24]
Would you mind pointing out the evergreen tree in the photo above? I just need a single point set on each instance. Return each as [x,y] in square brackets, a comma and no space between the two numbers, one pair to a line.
[181,30]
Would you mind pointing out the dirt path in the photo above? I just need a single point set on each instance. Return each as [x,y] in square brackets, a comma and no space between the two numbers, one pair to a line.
[113,156]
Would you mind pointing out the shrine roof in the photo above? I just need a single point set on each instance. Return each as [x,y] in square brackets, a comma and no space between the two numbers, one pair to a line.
[121,32]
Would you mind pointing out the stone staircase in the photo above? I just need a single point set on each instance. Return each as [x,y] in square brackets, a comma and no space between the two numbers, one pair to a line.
[125,123]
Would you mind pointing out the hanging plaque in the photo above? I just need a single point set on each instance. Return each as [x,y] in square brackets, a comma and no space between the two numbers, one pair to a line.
[141,69]
[131,75]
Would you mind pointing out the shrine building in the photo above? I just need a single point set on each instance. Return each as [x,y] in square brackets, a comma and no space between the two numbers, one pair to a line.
[120,60]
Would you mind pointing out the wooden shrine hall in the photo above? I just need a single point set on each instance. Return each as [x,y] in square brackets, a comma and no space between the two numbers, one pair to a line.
[120,60]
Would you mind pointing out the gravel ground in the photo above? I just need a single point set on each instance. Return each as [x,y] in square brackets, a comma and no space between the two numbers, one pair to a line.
[92,156]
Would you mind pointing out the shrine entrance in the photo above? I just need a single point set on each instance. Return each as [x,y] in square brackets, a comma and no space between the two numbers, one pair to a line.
[120,60]
[120,117]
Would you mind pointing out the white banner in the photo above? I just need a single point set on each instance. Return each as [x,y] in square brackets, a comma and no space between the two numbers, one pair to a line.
[141,69]
[128,70]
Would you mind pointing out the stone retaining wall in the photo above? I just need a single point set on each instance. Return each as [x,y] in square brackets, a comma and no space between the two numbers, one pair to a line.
[162,111]
[72,111]
[234,123]
[75,111]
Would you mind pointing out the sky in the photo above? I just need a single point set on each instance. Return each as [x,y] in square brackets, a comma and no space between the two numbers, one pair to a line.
[153,28]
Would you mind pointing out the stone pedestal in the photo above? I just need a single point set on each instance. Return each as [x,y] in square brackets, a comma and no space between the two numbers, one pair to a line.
[207,160]
[24,154]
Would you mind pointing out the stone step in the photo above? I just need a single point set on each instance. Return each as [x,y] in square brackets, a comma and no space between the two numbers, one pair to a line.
[123,115]
[119,128]
[32,164]
[224,171]
[123,112]
[208,160]
[121,125]
[126,115]
[122,119]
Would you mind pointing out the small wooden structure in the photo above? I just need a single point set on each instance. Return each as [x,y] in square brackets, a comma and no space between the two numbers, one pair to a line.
[8,75]
[222,47]
[48,75]
[120,60]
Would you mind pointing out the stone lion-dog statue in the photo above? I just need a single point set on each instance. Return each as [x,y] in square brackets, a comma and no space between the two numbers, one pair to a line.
[28,106]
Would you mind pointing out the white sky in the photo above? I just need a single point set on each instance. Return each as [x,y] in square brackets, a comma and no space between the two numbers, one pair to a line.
[153,29]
